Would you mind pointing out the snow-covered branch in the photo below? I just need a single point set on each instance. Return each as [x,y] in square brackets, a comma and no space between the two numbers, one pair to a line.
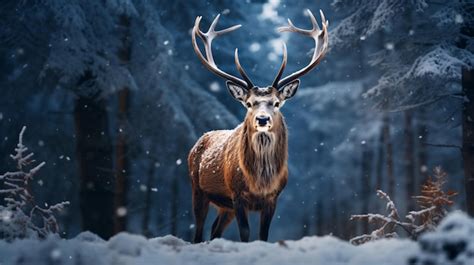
[432,201]
[20,216]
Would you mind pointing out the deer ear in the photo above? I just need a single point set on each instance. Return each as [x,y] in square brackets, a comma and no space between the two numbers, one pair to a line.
[289,90]
[237,91]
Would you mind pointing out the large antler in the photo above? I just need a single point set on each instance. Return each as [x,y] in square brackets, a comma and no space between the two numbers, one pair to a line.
[208,61]
[320,38]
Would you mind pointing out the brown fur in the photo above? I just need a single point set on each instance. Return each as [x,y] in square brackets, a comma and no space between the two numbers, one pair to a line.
[238,166]
[239,169]
[246,169]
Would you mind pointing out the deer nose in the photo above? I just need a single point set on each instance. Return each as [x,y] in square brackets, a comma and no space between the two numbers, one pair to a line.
[262,120]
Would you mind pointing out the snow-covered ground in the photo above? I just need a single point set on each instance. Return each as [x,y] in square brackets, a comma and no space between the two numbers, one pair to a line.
[452,243]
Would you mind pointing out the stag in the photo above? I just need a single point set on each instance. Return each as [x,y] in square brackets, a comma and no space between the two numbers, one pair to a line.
[245,169]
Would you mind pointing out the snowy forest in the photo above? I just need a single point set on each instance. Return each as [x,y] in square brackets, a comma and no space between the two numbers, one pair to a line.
[112,97]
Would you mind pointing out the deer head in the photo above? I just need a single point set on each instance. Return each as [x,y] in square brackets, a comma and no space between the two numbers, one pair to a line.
[262,103]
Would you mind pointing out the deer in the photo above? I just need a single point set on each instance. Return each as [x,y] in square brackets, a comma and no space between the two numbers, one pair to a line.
[246,169]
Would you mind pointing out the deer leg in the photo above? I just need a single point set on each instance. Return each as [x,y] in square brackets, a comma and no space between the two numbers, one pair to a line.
[200,208]
[266,216]
[221,223]
[242,219]
[214,225]
[216,222]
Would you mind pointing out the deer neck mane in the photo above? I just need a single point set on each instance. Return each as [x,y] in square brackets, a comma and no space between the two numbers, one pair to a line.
[263,155]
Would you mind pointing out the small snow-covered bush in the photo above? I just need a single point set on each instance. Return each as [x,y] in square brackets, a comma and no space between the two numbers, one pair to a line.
[432,202]
[20,216]
[452,243]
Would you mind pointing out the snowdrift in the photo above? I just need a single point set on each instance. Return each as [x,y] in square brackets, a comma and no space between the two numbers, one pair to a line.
[451,243]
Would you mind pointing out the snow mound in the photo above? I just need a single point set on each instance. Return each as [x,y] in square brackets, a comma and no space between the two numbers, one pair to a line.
[452,243]
[128,244]
[89,237]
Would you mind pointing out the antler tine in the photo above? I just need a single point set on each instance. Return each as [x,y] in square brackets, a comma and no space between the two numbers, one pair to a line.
[310,32]
[208,60]
[282,67]
[241,70]
[323,18]
[229,29]
[320,37]
[291,28]
[214,33]
[197,22]
[211,34]
[313,19]
[213,25]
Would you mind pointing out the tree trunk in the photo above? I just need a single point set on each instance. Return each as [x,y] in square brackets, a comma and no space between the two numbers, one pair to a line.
[468,137]
[379,163]
[94,153]
[305,226]
[174,205]
[422,154]
[122,163]
[160,207]
[384,139]
[366,179]
[345,227]
[146,213]
[389,156]
[333,223]
[319,218]
[467,32]
[410,179]
[408,134]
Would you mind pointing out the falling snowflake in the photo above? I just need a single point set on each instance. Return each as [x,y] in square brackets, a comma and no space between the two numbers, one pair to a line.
[458,19]
[424,168]
[389,46]
[254,47]
[269,11]
[55,254]
[214,87]
[272,56]
[121,211]
[6,216]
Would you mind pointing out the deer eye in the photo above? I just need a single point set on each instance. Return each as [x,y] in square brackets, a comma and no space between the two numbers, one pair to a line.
[249,105]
